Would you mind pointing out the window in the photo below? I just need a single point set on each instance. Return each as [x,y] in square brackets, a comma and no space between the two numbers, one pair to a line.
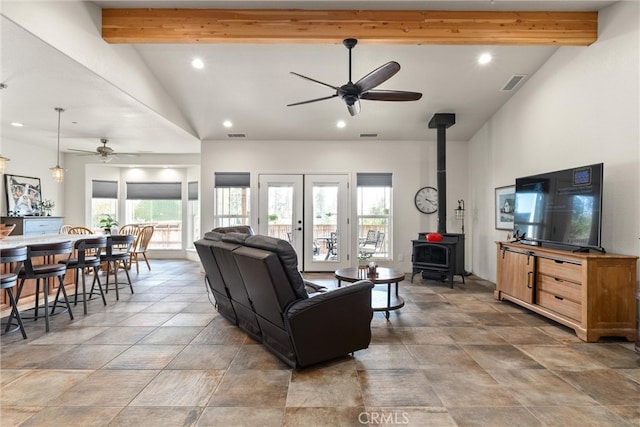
[232,199]
[158,204]
[193,212]
[104,200]
[374,215]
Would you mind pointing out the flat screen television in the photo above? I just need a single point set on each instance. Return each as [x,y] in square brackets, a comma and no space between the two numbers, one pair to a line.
[561,208]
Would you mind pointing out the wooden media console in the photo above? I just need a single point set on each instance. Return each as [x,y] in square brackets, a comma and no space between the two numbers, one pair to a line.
[594,294]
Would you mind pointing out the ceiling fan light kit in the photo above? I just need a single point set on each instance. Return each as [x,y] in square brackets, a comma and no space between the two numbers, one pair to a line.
[103,152]
[351,93]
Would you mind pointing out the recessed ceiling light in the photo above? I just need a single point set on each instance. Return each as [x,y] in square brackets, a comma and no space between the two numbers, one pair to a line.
[484,59]
[341,124]
[227,123]
[197,64]
[16,124]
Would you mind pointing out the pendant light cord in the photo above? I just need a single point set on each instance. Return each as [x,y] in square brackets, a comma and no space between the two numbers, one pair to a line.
[59,110]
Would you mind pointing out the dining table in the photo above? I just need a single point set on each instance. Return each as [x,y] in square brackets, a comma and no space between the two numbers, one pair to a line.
[20,240]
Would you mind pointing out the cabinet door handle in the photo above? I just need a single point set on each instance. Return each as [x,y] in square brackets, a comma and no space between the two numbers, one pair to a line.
[557,297]
[529,276]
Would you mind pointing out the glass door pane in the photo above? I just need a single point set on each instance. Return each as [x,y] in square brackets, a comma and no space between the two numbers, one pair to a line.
[281,208]
[326,225]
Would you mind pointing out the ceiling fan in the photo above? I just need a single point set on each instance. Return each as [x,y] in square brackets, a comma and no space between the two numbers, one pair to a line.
[351,93]
[106,154]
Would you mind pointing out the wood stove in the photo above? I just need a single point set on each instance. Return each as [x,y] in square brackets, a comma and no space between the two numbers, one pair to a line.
[445,259]
[438,260]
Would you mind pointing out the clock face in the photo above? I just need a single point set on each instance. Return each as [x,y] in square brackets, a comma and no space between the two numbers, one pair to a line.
[426,200]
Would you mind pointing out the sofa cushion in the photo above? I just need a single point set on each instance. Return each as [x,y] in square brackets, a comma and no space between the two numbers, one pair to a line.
[288,257]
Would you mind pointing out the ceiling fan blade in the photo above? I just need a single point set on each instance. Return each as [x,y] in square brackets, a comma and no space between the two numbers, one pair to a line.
[391,95]
[313,100]
[314,80]
[378,76]
[354,108]
[82,151]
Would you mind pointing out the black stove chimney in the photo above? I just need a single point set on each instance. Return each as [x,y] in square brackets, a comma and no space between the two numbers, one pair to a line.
[441,121]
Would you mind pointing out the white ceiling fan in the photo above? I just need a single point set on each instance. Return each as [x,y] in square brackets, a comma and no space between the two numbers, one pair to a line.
[106,154]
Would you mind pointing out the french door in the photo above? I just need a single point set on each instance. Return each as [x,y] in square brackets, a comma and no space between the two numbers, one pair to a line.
[311,212]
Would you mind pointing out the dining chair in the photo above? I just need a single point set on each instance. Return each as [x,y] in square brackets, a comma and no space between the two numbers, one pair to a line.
[87,256]
[42,273]
[64,229]
[129,229]
[9,280]
[80,230]
[140,247]
[117,254]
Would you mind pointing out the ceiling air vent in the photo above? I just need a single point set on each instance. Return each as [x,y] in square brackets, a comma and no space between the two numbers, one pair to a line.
[236,135]
[513,82]
[368,135]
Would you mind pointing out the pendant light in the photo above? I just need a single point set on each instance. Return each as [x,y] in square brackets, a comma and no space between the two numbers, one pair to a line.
[57,172]
[3,163]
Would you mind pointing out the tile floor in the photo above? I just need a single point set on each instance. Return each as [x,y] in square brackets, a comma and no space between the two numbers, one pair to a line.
[450,357]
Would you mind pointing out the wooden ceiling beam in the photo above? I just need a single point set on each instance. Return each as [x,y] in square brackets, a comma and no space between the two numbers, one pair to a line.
[332,26]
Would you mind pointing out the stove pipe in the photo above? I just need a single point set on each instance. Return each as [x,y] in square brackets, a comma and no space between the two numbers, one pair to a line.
[442,121]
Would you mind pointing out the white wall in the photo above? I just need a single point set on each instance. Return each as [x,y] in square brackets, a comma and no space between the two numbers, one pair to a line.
[581,107]
[81,40]
[33,161]
[412,163]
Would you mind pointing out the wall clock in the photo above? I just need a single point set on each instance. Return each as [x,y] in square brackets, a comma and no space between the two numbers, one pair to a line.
[426,200]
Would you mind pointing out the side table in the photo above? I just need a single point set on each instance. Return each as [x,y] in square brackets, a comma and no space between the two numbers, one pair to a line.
[381,299]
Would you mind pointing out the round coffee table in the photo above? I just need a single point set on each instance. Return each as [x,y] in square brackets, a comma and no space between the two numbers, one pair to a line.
[381,299]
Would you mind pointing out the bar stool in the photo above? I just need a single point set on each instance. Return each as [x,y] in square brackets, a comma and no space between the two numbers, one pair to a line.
[118,247]
[44,272]
[9,280]
[88,253]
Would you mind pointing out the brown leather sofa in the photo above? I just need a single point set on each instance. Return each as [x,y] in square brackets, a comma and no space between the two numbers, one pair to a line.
[257,286]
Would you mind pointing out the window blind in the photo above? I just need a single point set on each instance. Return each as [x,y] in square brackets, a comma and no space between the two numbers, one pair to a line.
[154,190]
[373,179]
[104,189]
[232,179]
[193,190]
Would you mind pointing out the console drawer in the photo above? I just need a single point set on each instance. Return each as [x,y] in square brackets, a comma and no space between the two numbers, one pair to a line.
[43,225]
[559,304]
[562,288]
[560,269]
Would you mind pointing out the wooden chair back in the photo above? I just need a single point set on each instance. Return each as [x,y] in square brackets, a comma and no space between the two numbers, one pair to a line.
[80,230]
[144,237]
[129,229]
[65,229]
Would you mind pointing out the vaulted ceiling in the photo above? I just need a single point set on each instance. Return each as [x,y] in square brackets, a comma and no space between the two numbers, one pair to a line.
[249,82]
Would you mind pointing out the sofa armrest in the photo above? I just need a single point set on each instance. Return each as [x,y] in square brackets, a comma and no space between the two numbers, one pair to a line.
[331,324]
[312,288]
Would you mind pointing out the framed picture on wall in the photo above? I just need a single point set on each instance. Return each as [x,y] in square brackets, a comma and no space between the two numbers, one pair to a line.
[505,204]
[23,195]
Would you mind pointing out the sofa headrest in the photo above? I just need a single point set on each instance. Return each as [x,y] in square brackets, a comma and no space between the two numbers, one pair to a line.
[246,229]
[233,237]
[287,255]
[213,235]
